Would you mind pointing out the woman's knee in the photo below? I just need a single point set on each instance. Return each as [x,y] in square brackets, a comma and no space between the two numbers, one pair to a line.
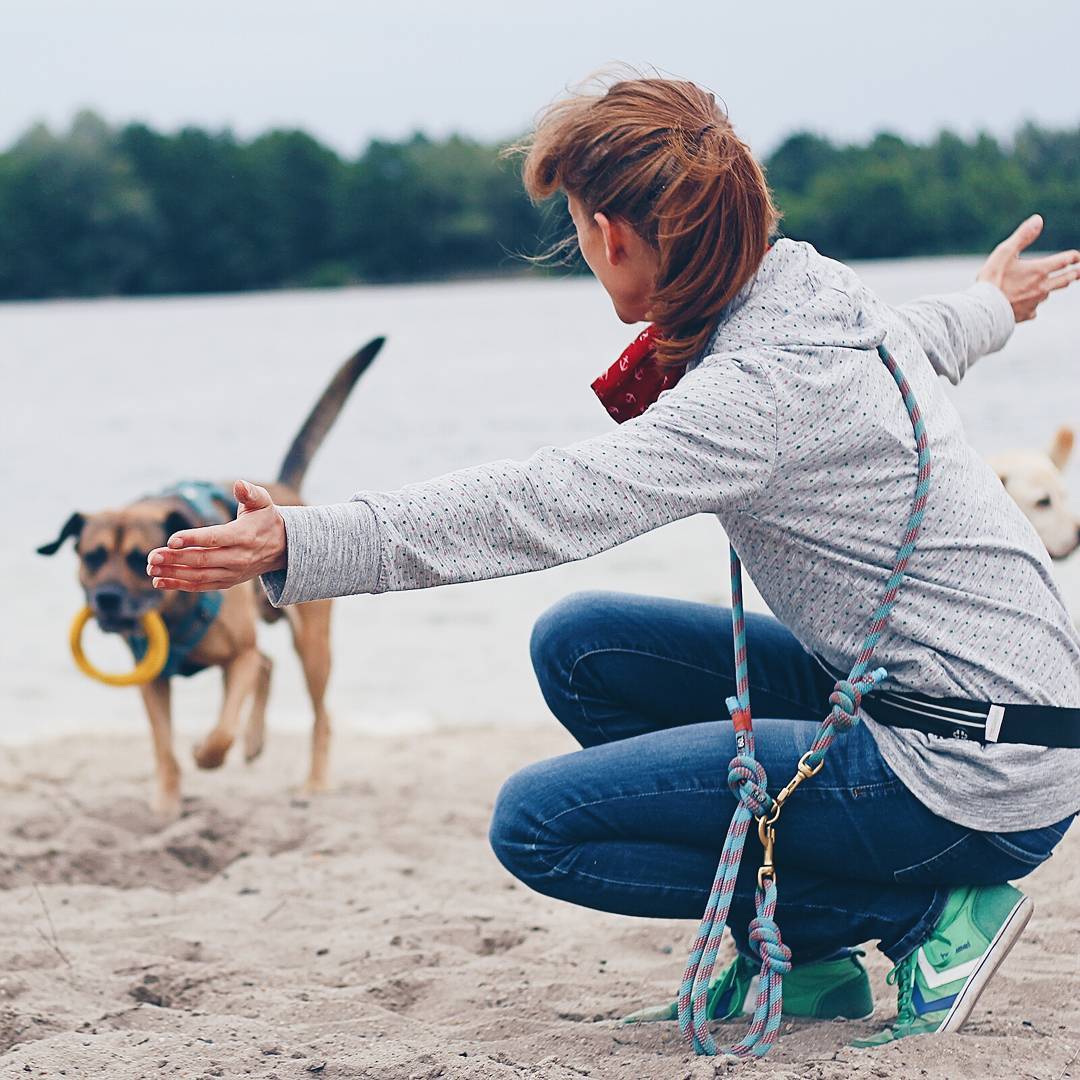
[561,635]
[517,825]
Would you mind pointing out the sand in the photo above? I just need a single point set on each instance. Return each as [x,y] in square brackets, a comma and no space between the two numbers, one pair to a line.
[371,933]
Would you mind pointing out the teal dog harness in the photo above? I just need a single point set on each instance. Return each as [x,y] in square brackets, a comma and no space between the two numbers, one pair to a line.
[204,500]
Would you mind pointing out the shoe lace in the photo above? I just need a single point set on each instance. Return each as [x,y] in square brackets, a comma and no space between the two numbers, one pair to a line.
[902,976]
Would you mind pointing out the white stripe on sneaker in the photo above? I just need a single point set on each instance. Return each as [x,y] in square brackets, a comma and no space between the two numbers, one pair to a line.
[934,979]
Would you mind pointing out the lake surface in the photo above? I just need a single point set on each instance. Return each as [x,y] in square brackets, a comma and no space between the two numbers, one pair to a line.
[102,401]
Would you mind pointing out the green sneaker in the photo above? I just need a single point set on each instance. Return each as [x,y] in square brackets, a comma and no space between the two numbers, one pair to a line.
[822,990]
[938,984]
[727,992]
[829,989]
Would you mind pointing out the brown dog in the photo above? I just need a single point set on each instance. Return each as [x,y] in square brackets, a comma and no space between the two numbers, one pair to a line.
[210,629]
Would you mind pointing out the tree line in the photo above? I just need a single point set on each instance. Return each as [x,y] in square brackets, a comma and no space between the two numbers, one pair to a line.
[102,210]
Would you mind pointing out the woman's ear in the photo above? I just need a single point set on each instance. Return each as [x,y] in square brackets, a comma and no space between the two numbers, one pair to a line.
[611,231]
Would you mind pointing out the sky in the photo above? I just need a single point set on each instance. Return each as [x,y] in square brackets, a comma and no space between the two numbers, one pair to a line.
[350,71]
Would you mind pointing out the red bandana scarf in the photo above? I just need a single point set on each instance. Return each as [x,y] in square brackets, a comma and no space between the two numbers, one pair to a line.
[635,380]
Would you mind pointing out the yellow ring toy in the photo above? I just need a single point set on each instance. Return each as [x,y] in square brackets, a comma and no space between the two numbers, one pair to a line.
[146,670]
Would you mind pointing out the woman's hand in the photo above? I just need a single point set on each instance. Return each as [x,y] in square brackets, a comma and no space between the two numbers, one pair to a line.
[221,556]
[1028,282]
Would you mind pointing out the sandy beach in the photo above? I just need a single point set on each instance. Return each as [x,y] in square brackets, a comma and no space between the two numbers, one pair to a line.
[371,933]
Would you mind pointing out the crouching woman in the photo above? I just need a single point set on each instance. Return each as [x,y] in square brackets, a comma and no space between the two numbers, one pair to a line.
[757,395]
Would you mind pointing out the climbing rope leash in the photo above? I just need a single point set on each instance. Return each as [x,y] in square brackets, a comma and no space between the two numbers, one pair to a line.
[748,781]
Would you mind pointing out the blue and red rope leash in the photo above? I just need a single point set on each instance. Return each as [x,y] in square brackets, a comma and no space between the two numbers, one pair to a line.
[748,782]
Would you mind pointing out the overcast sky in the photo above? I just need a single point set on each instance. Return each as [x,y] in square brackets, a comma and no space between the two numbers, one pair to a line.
[347,71]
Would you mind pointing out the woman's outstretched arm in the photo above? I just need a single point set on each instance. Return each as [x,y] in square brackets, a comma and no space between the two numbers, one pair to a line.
[706,445]
[956,329]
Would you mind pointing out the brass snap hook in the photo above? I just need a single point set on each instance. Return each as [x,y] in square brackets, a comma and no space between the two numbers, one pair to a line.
[767,836]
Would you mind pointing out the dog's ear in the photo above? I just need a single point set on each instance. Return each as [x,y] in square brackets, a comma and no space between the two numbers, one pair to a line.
[176,522]
[72,527]
[1061,447]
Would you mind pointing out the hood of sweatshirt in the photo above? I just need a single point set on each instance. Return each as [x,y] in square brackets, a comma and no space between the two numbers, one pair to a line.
[806,300]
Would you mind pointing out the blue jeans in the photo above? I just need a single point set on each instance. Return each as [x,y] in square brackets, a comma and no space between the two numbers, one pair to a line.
[634,822]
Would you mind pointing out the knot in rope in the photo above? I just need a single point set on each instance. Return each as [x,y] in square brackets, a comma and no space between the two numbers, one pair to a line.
[845,700]
[765,934]
[747,781]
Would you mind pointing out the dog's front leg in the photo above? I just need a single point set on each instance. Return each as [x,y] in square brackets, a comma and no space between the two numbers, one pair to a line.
[241,677]
[311,637]
[158,702]
[255,730]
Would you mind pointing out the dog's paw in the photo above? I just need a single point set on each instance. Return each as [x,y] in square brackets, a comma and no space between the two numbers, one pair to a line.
[210,753]
[315,785]
[165,806]
[254,739]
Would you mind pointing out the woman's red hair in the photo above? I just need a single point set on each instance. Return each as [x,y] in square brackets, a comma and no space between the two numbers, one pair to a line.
[661,155]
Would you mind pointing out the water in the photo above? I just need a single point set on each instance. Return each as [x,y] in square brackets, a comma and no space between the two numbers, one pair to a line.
[105,400]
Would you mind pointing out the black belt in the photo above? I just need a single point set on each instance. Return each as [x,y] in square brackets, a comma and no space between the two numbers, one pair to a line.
[955,718]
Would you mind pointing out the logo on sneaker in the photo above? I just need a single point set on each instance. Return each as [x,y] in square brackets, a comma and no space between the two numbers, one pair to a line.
[934,978]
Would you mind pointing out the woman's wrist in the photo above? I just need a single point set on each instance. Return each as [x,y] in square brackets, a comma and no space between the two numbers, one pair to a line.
[277,545]
[328,550]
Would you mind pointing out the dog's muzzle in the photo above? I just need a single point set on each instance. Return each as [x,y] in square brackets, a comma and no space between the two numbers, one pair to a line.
[116,609]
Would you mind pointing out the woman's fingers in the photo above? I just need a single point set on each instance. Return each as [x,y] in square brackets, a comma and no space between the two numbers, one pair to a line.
[209,536]
[193,573]
[1049,264]
[251,496]
[1022,237]
[1060,280]
[178,584]
[223,558]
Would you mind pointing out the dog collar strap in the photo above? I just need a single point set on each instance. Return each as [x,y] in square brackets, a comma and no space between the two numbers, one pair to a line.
[183,637]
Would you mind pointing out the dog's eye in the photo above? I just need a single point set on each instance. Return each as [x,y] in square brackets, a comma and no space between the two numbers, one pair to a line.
[1044,503]
[136,560]
[95,560]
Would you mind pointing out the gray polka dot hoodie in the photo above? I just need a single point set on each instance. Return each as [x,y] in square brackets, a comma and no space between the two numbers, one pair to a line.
[791,430]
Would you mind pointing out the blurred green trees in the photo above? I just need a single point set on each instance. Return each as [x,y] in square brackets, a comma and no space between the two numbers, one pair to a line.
[99,210]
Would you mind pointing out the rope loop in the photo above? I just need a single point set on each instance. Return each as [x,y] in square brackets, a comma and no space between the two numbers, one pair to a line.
[845,700]
[765,934]
[747,780]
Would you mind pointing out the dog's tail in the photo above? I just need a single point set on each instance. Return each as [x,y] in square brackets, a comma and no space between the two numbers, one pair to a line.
[322,416]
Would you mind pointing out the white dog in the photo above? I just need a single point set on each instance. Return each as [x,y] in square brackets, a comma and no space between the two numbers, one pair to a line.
[1034,481]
